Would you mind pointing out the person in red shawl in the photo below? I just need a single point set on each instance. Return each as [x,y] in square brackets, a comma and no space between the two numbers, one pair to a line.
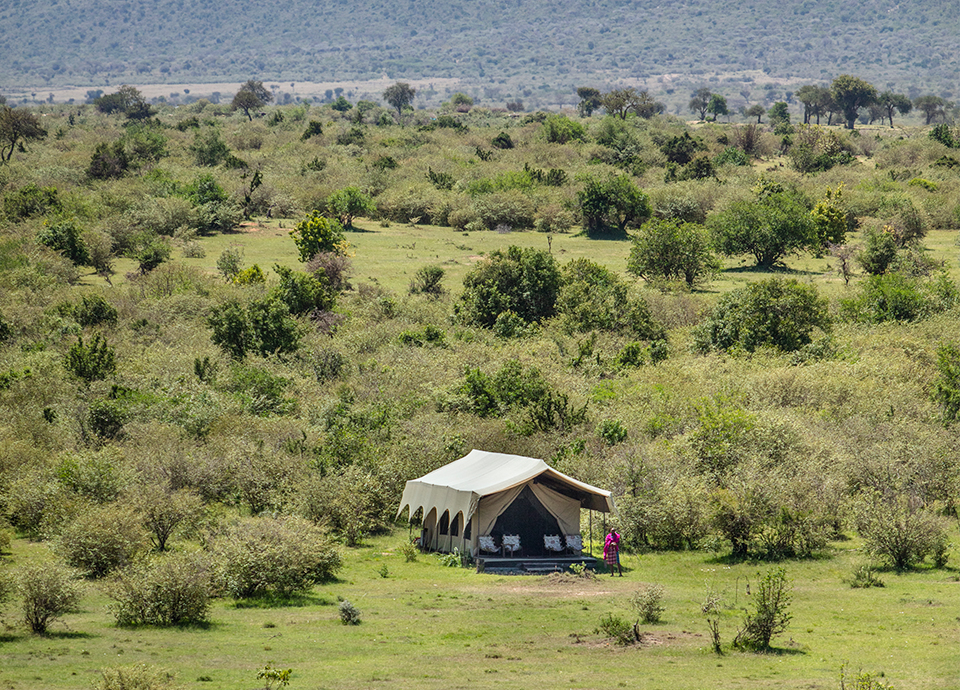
[611,552]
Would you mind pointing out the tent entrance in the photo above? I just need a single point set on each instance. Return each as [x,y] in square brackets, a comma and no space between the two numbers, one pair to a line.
[527,517]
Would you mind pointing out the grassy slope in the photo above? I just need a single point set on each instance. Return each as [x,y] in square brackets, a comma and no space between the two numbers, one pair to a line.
[433,627]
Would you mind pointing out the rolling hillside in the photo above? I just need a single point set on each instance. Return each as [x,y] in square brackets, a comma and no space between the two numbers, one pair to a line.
[504,49]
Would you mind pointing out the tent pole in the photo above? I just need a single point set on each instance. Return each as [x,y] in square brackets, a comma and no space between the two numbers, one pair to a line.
[591,531]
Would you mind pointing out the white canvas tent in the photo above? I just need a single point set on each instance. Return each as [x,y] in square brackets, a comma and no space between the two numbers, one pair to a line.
[473,495]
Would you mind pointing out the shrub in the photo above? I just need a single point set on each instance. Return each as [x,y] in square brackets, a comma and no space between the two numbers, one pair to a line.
[775,312]
[427,281]
[865,577]
[167,591]
[163,512]
[93,310]
[619,629]
[648,603]
[315,234]
[349,614]
[672,250]
[770,616]
[278,556]
[349,502]
[610,205]
[888,297]
[29,201]
[879,250]
[230,262]
[65,237]
[594,298]
[612,431]
[334,267]
[137,677]
[525,281]
[102,539]
[209,149]
[303,292]
[946,392]
[899,529]
[49,590]
[93,362]
[560,129]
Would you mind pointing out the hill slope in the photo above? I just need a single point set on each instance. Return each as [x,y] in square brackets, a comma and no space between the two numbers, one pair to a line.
[558,44]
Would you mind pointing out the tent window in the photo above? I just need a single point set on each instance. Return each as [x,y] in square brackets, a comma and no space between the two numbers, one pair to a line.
[444,522]
[455,527]
[466,532]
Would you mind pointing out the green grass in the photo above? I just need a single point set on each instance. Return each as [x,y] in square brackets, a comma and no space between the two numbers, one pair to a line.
[429,626]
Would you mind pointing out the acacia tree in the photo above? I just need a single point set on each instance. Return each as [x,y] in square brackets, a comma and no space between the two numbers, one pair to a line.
[931,106]
[851,94]
[400,96]
[17,126]
[717,106]
[252,95]
[617,102]
[894,103]
[590,100]
[756,111]
[700,102]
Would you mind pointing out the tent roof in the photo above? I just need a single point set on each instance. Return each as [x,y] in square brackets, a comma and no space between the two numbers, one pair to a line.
[459,486]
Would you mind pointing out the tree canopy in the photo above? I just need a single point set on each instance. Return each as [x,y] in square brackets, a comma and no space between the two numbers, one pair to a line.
[17,125]
[851,94]
[252,95]
[400,96]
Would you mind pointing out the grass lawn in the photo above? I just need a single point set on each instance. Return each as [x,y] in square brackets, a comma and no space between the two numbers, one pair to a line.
[390,256]
[429,626]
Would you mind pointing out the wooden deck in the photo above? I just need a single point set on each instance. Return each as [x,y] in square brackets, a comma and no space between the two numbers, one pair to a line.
[533,564]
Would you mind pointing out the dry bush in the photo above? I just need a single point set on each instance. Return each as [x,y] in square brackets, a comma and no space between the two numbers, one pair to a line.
[101,539]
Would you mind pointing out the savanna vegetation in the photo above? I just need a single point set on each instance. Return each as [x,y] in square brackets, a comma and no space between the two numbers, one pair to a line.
[226,342]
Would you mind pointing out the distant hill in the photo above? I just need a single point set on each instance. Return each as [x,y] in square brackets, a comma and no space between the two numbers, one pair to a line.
[515,47]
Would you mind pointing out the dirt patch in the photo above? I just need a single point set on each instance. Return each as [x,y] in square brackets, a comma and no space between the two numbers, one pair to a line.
[250,226]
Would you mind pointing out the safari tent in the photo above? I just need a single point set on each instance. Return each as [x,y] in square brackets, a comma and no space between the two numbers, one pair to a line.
[493,494]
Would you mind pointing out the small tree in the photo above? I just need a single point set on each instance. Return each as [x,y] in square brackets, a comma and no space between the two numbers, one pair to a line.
[672,250]
[428,281]
[756,111]
[851,94]
[770,228]
[894,103]
[17,125]
[717,106]
[65,237]
[700,102]
[932,107]
[163,512]
[399,96]
[49,590]
[348,203]
[770,617]
[251,96]
[590,100]
[609,205]
[779,114]
[315,234]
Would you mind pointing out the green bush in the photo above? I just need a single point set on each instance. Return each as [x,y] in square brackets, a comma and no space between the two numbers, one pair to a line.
[771,615]
[428,281]
[315,234]
[65,237]
[102,539]
[671,250]
[93,362]
[31,200]
[137,677]
[778,313]
[349,614]
[612,431]
[888,297]
[164,591]
[560,129]
[48,591]
[524,281]
[273,556]
[93,310]
[899,528]
[648,603]
[618,629]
